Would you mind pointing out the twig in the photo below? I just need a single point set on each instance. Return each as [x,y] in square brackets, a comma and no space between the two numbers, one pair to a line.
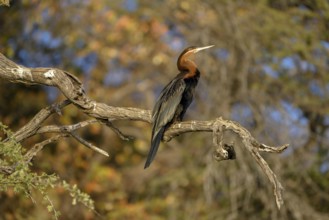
[269,149]
[89,145]
[69,129]
[39,146]
[117,131]
[34,124]
[65,128]
[277,187]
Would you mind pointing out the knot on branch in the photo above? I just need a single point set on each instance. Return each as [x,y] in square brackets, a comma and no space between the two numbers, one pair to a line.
[223,151]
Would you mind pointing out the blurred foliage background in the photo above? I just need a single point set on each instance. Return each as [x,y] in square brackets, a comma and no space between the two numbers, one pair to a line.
[268,71]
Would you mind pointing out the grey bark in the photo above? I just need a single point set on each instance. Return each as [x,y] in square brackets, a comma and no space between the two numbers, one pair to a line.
[72,89]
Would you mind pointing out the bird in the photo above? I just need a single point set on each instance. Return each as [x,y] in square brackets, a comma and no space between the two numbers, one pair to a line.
[174,99]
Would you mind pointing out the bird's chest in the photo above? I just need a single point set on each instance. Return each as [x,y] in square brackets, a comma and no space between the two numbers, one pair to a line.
[189,90]
[191,83]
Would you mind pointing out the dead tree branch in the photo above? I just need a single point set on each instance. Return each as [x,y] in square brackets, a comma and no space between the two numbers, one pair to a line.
[72,89]
[89,145]
[39,146]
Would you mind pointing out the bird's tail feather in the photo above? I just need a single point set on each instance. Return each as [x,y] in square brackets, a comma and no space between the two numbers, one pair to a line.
[154,146]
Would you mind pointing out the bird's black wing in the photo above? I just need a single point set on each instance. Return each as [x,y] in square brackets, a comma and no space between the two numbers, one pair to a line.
[163,113]
[166,106]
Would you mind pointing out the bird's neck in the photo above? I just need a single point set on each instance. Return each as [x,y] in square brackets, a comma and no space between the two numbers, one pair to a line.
[188,66]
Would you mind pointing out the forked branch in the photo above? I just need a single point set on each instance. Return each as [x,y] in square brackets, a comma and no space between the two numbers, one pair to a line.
[72,89]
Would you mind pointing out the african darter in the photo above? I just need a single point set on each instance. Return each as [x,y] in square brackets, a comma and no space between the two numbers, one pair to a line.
[174,99]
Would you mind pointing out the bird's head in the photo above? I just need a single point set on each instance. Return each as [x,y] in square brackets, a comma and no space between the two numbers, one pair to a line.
[188,52]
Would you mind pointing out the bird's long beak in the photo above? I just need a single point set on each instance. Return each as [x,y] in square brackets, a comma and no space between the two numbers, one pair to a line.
[202,48]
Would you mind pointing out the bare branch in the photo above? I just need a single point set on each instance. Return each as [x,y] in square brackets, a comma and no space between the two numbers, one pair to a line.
[217,126]
[220,153]
[89,145]
[269,149]
[277,187]
[39,146]
[71,87]
[65,128]
[117,131]
[69,129]
[34,124]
